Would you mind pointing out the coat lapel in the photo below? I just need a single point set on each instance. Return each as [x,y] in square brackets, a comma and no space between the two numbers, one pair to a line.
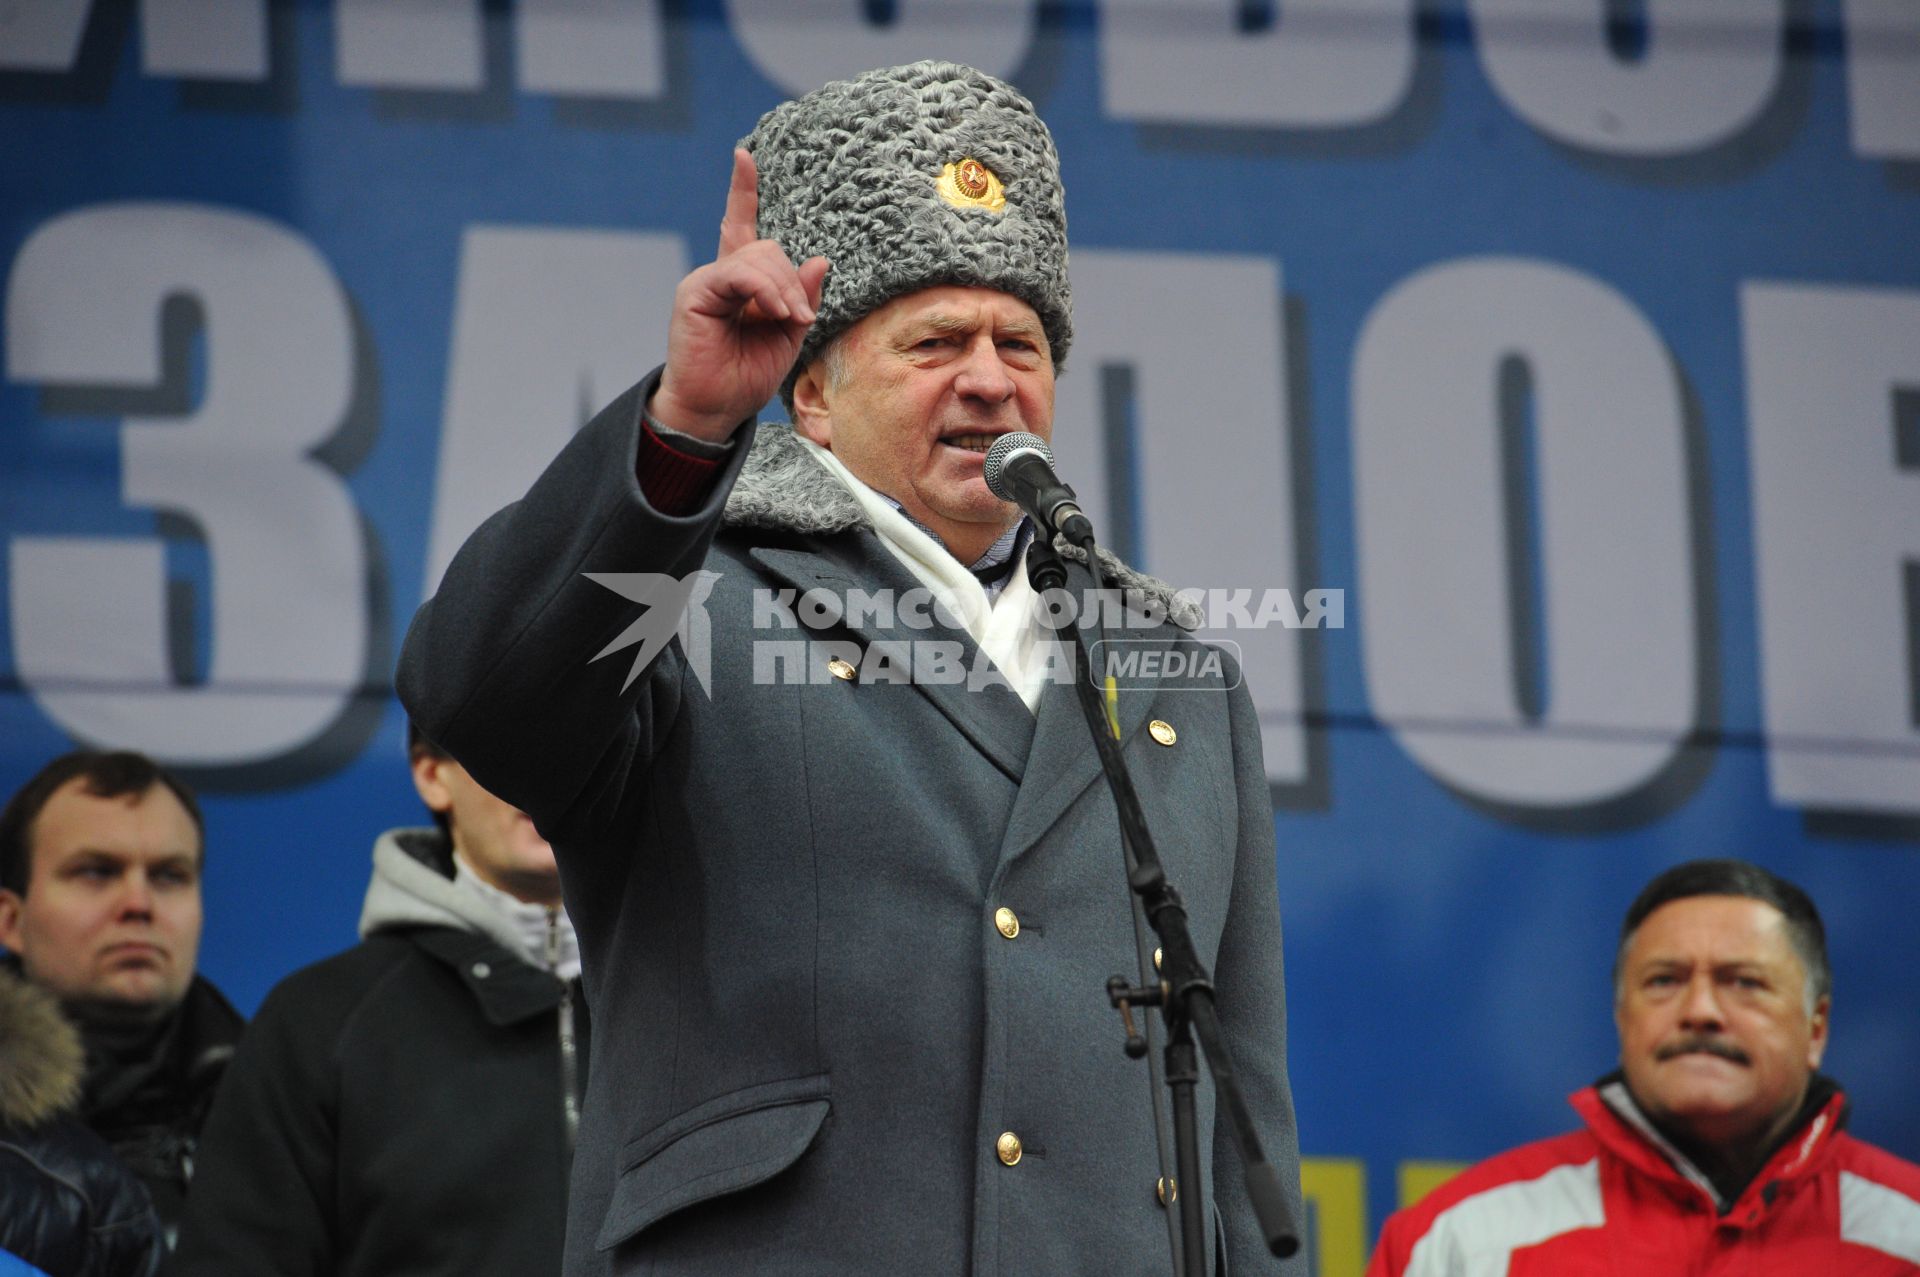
[1063,762]
[991,715]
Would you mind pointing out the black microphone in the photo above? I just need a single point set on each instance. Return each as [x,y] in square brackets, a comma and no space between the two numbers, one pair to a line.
[1019,468]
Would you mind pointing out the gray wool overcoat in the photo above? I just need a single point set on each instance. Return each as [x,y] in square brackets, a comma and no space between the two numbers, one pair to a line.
[811,1030]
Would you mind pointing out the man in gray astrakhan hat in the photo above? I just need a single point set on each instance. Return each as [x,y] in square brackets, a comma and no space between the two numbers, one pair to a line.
[846,881]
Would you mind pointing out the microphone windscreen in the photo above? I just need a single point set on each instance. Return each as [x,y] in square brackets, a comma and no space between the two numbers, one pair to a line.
[1002,452]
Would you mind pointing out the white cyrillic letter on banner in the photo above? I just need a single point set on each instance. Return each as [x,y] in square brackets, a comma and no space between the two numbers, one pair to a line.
[1836,532]
[1435,606]
[1201,337]
[289,589]
[1324,64]
[801,44]
[1708,69]
[550,326]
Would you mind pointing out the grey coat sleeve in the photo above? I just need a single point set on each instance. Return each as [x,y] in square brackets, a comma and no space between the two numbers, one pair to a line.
[498,667]
[1253,1014]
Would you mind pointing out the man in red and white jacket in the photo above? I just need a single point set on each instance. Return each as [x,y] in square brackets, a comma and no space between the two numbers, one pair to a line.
[1716,1149]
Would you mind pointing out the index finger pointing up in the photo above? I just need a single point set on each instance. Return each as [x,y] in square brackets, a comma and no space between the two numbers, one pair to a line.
[740,226]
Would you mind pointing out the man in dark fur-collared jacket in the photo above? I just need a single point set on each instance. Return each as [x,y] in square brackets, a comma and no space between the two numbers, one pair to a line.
[100,861]
[847,884]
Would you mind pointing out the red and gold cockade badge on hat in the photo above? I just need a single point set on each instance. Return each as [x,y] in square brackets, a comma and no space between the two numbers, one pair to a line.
[971,184]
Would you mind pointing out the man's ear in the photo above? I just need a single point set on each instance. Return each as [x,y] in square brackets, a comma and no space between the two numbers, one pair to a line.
[812,415]
[426,779]
[12,905]
[1817,1036]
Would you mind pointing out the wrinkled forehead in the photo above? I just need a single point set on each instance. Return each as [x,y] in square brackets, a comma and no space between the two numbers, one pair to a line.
[1713,929]
[956,308]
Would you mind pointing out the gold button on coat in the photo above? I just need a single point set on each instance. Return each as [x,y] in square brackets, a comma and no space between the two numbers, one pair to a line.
[1008,1147]
[840,669]
[1008,921]
[1161,730]
[1166,1190]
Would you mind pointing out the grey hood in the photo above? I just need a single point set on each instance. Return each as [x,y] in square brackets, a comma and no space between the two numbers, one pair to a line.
[783,489]
[413,886]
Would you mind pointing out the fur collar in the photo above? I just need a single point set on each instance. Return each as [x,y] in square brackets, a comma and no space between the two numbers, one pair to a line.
[783,489]
[41,1060]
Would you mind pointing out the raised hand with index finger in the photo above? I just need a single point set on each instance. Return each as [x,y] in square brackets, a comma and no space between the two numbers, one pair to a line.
[737,323]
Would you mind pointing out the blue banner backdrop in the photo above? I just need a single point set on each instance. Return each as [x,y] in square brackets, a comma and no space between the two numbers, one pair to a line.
[1576,342]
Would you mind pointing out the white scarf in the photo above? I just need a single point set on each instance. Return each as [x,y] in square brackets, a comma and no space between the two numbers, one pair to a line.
[1007,628]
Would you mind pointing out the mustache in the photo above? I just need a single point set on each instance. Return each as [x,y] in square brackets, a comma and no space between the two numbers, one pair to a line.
[1703,1045]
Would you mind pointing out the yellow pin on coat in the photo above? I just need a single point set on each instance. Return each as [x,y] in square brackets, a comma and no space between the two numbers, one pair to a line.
[971,184]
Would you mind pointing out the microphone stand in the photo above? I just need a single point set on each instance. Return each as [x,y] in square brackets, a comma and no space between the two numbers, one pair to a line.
[1185,992]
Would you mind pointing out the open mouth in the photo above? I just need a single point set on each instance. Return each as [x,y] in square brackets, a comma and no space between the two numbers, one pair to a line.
[970,442]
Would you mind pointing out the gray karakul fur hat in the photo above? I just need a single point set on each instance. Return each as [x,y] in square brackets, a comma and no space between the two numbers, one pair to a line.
[910,177]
